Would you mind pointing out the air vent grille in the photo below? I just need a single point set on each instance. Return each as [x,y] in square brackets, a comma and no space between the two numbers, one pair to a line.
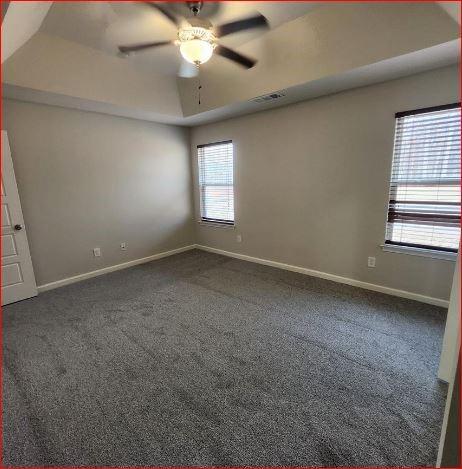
[269,97]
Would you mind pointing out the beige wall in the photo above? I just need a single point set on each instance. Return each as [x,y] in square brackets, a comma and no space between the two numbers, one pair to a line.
[53,65]
[449,371]
[311,183]
[451,340]
[90,180]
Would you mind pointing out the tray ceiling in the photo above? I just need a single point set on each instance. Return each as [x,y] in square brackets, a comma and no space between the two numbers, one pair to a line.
[105,25]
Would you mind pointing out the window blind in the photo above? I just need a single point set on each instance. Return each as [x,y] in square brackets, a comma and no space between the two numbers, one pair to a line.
[424,202]
[216,182]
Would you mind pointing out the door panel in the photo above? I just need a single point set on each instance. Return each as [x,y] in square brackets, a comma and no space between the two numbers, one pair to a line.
[6,220]
[8,246]
[11,275]
[18,281]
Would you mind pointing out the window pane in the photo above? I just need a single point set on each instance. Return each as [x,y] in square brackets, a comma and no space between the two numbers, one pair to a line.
[218,202]
[216,181]
[408,233]
[424,207]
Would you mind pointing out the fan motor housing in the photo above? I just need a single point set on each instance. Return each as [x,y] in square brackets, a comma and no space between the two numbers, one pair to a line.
[197,28]
[199,22]
[195,7]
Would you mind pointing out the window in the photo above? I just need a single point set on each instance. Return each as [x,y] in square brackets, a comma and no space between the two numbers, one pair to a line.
[424,203]
[216,182]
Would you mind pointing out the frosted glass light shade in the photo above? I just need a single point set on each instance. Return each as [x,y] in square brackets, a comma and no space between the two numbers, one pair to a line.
[196,51]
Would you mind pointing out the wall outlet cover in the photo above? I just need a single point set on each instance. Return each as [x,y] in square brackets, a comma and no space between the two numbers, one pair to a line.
[371,262]
[123,246]
[97,252]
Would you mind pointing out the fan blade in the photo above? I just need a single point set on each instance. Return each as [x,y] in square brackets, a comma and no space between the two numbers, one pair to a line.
[165,12]
[258,21]
[138,47]
[230,54]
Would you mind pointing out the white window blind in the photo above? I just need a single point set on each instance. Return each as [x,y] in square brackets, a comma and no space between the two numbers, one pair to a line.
[216,182]
[424,203]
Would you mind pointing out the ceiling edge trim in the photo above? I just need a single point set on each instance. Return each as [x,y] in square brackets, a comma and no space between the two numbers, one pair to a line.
[435,57]
[20,93]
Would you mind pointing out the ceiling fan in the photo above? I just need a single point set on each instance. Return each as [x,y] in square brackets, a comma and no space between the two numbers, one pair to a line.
[198,38]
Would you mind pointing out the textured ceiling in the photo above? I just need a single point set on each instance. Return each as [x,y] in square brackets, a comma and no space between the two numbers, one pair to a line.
[105,25]
[452,8]
[22,21]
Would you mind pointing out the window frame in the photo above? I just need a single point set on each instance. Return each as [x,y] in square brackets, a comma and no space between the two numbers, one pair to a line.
[214,222]
[410,248]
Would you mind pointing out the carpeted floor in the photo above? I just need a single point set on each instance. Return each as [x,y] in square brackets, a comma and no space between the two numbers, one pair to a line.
[198,359]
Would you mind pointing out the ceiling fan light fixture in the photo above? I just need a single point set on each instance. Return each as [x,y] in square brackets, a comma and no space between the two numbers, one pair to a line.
[198,37]
[196,51]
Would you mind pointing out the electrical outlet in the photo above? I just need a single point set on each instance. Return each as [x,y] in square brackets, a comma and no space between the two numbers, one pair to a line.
[371,262]
[97,252]
[123,246]
[239,238]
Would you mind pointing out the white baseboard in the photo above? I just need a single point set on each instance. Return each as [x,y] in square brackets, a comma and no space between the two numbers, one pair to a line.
[335,278]
[279,265]
[112,268]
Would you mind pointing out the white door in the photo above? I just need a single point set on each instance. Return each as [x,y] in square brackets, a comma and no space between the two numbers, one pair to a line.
[18,281]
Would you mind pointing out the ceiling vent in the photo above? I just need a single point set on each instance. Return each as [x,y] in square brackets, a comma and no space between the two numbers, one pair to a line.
[269,97]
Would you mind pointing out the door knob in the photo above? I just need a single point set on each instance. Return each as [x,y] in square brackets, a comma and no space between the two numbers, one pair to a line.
[18,227]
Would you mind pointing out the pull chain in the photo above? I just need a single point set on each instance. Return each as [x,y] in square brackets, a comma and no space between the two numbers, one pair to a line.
[199,83]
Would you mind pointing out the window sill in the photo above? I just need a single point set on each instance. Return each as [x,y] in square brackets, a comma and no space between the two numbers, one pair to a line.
[211,224]
[446,256]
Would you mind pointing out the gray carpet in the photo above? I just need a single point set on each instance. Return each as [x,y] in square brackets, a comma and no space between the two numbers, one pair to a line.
[202,360]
